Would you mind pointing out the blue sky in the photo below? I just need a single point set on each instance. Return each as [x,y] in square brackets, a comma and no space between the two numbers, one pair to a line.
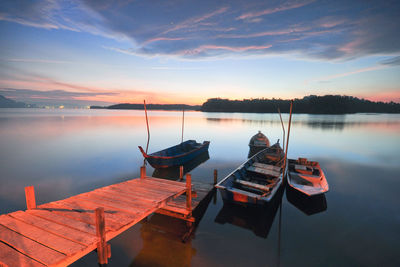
[103,52]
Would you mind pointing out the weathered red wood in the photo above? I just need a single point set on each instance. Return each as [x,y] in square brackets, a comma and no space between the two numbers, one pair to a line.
[189,192]
[142,172]
[29,247]
[65,221]
[30,197]
[11,257]
[55,228]
[101,235]
[41,236]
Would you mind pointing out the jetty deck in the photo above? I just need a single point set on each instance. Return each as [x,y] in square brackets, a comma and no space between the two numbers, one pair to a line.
[60,232]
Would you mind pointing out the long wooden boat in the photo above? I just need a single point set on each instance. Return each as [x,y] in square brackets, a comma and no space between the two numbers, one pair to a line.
[306,177]
[257,180]
[175,155]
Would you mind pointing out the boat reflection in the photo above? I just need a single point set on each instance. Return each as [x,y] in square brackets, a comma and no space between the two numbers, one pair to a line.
[256,219]
[308,205]
[172,173]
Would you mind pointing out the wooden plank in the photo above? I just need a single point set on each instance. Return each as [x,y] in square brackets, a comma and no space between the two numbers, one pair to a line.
[263,171]
[55,228]
[140,189]
[115,219]
[11,257]
[129,194]
[177,210]
[243,192]
[41,236]
[65,221]
[254,185]
[86,216]
[165,181]
[163,185]
[156,187]
[30,197]
[266,166]
[114,205]
[136,206]
[29,247]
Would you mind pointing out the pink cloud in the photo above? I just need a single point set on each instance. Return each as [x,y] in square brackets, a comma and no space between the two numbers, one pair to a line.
[283,7]
[192,22]
[221,47]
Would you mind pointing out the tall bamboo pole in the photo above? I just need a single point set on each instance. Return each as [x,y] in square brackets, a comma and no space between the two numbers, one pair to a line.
[183,122]
[283,128]
[148,130]
[287,140]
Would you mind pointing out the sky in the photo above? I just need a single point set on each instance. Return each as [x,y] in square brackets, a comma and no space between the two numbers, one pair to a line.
[99,52]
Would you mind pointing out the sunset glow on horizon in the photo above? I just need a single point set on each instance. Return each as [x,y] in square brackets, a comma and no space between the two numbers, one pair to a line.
[108,52]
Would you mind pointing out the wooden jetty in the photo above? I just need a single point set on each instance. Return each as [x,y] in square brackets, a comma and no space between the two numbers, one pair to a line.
[60,232]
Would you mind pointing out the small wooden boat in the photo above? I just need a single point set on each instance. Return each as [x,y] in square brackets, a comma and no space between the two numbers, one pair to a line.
[257,143]
[307,177]
[256,181]
[175,155]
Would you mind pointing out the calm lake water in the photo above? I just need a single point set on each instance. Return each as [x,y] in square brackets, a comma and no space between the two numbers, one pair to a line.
[66,152]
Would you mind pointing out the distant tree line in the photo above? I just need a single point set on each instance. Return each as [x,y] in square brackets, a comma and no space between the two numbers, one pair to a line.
[328,104]
[150,106]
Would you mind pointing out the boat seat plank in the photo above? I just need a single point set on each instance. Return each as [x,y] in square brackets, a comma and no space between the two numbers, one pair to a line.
[303,169]
[29,247]
[243,192]
[65,221]
[266,166]
[254,185]
[263,171]
[11,257]
[41,236]
[55,228]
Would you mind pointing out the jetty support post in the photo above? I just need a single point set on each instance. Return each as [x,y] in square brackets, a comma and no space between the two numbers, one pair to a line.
[30,197]
[189,192]
[215,176]
[142,172]
[180,173]
[103,249]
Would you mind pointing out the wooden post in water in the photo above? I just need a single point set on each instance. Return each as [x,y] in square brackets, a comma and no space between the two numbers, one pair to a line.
[189,192]
[103,249]
[215,176]
[180,173]
[287,140]
[30,197]
[142,172]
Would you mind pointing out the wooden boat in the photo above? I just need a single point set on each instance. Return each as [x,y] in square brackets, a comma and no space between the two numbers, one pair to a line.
[307,177]
[256,181]
[257,143]
[175,155]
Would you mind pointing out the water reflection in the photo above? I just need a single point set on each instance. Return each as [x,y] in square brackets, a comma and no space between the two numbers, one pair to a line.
[256,219]
[172,173]
[308,205]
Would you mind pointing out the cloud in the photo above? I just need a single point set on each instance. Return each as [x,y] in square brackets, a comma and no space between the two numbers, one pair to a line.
[324,30]
[285,6]
[395,61]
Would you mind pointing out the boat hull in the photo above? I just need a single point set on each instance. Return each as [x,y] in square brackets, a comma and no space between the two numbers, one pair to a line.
[309,184]
[174,156]
[239,187]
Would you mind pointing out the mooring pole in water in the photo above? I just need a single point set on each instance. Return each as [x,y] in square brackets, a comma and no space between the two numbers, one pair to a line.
[181,173]
[30,197]
[143,171]
[283,128]
[103,249]
[287,141]
[148,130]
[189,193]
[215,176]
[183,122]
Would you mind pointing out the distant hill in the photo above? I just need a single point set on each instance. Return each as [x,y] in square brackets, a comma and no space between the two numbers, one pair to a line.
[9,103]
[328,104]
[150,106]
